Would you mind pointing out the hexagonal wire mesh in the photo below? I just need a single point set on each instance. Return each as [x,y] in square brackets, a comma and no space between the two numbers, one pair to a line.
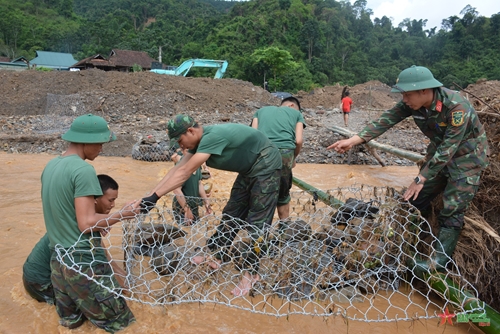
[349,259]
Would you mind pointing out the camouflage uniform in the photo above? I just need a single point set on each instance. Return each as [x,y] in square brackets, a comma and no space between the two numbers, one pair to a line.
[456,156]
[286,177]
[78,298]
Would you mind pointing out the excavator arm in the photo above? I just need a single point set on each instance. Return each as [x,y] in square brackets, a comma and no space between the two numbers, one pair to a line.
[184,68]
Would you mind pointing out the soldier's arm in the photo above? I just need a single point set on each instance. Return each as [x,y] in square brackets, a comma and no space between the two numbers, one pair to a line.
[387,120]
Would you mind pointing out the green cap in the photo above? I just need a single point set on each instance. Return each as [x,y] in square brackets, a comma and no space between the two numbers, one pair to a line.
[415,78]
[178,126]
[89,129]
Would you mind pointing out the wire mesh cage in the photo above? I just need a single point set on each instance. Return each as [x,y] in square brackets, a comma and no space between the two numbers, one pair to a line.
[351,258]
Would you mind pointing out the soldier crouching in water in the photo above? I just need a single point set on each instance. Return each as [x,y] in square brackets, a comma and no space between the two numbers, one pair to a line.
[456,156]
[254,195]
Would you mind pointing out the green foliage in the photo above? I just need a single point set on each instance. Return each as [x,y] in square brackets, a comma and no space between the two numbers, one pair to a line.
[43,69]
[275,60]
[136,68]
[293,44]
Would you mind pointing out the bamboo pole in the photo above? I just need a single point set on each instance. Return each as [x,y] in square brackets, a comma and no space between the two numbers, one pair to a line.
[415,157]
[441,283]
[319,194]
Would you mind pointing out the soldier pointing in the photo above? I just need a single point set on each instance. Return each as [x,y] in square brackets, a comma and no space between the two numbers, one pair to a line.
[456,156]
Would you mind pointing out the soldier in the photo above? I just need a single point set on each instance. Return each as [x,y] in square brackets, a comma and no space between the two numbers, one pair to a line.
[36,269]
[456,156]
[69,188]
[284,126]
[190,196]
[254,196]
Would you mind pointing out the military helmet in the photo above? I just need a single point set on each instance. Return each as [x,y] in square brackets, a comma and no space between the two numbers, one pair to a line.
[89,129]
[415,78]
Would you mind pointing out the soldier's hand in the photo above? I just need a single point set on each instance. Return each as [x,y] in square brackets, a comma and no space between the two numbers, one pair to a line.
[341,146]
[413,191]
[345,145]
[149,202]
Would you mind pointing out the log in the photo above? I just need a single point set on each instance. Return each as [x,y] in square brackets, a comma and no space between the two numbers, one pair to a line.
[415,157]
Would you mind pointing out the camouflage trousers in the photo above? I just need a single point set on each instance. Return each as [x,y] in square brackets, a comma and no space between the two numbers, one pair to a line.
[251,206]
[287,156]
[44,293]
[78,298]
[457,195]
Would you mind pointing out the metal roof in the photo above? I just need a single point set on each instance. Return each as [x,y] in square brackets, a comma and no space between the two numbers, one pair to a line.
[53,59]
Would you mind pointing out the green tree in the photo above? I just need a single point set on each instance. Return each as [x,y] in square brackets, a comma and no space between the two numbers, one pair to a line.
[277,60]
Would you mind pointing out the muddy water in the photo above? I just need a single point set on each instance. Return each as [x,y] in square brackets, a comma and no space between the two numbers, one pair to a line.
[22,226]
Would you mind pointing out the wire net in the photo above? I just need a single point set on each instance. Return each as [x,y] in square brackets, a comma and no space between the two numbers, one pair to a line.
[60,111]
[349,258]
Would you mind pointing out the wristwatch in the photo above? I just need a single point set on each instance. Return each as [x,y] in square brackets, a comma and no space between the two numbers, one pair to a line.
[418,180]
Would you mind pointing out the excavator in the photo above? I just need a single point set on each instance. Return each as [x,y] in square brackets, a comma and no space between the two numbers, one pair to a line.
[184,68]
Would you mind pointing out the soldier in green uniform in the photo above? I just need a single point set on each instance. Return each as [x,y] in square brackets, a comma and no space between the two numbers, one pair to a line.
[457,153]
[69,188]
[36,268]
[284,126]
[190,196]
[254,195]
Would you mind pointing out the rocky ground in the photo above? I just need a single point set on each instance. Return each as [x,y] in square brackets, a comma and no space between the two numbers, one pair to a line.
[37,107]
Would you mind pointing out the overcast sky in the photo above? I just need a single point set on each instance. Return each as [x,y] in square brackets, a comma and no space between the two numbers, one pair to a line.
[432,10]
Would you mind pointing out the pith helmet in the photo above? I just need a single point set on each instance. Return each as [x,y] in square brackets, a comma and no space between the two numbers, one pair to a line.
[89,129]
[415,78]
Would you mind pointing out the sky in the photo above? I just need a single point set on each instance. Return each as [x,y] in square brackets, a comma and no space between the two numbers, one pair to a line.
[432,10]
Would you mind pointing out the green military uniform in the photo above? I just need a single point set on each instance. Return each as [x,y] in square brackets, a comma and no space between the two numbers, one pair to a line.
[63,179]
[457,153]
[36,272]
[247,151]
[278,124]
[191,191]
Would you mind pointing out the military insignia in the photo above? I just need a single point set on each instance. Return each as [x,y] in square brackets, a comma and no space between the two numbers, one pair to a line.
[442,124]
[457,118]
[439,106]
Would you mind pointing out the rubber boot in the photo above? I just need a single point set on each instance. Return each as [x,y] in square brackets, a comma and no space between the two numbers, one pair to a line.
[448,238]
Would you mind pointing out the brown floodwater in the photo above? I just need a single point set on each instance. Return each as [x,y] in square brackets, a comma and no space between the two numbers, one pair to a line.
[22,226]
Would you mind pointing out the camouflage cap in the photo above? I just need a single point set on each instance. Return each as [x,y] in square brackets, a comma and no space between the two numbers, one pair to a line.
[178,126]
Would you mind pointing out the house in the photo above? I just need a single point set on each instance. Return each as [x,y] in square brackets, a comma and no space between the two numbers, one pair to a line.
[124,60]
[18,64]
[54,60]
[118,60]
[97,61]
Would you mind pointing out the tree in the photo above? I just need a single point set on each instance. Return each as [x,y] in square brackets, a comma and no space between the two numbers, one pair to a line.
[310,32]
[278,61]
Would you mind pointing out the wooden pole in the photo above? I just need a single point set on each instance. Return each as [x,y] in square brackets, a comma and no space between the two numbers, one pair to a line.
[415,157]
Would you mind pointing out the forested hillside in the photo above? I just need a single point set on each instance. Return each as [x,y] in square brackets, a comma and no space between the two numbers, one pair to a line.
[293,44]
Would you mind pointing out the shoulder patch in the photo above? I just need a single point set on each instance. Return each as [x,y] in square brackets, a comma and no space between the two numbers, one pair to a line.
[457,118]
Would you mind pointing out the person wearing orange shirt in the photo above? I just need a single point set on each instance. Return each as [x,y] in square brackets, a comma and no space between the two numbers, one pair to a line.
[346,108]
